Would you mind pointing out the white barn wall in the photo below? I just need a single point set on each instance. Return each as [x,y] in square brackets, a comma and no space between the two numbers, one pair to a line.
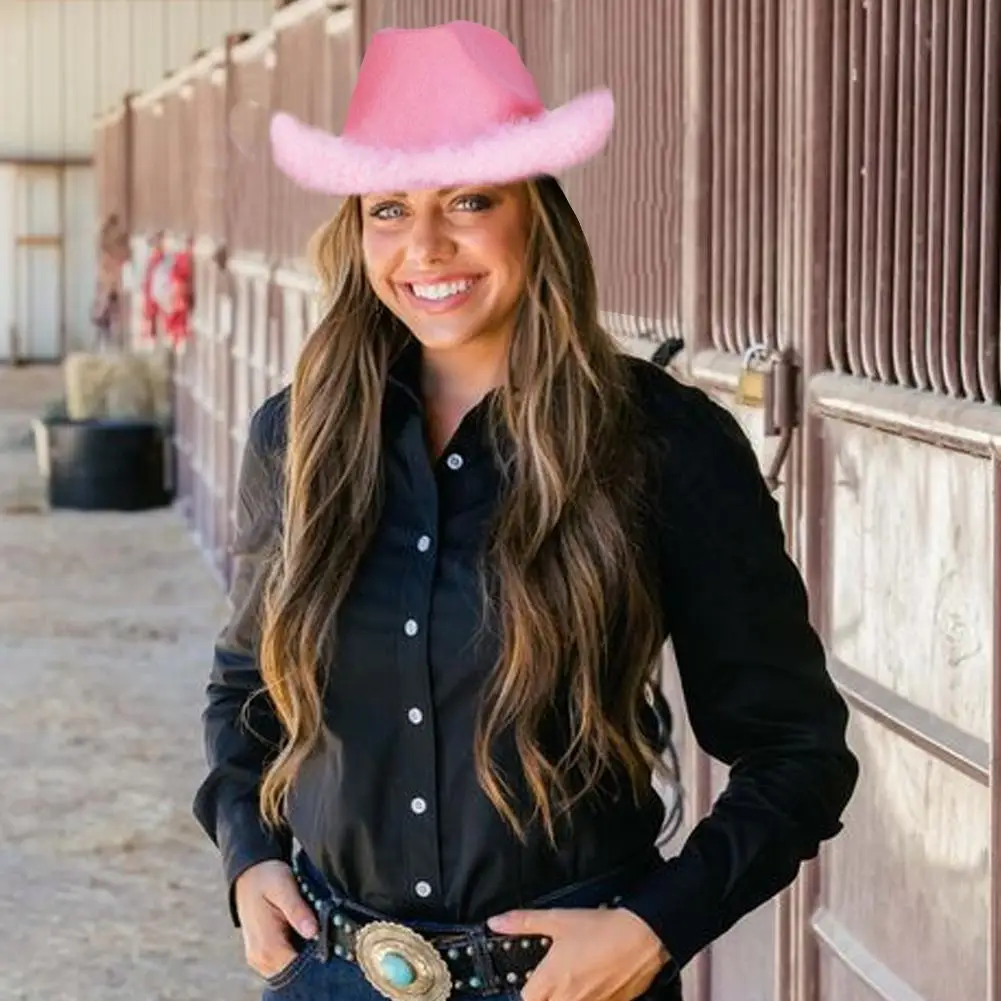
[65,61]
[6,257]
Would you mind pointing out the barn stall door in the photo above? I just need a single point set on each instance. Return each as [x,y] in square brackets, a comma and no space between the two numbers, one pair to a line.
[37,329]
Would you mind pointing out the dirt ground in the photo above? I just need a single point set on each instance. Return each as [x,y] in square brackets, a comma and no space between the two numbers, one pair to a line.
[108,889]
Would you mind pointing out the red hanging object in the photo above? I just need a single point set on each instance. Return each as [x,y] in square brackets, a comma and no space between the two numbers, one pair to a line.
[177,322]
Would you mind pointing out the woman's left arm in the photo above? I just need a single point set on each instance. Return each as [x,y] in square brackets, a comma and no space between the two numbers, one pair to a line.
[755,680]
[759,698]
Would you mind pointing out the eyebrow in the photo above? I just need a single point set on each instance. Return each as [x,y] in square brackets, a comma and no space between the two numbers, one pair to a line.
[403,195]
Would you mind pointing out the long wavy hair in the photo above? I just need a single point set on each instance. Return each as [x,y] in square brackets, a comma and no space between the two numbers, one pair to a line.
[563,574]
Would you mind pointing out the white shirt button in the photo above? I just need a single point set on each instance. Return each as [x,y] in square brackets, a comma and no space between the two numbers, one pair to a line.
[410,627]
[423,888]
[418,805]
[415,716]
[424,543]
[454,461]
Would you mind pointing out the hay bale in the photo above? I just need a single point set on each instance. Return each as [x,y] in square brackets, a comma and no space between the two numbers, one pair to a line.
[119,384]
[128,392]
[159,374]
[87,379]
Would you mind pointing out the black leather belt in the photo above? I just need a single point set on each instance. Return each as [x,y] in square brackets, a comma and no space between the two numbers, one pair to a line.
[406,965]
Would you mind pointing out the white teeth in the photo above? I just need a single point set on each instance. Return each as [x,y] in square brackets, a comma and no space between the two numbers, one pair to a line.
[442,290]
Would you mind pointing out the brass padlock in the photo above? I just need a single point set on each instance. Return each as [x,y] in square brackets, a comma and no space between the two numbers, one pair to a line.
[754,384]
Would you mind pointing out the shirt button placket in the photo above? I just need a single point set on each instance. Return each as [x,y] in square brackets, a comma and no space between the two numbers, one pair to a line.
[421,768]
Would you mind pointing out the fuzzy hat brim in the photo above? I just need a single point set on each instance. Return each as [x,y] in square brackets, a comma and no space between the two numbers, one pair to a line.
[553,142]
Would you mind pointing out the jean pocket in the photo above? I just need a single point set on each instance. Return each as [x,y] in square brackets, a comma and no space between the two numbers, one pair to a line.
[288,974]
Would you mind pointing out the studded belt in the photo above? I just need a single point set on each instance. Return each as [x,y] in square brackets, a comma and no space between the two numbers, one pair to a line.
[404,965]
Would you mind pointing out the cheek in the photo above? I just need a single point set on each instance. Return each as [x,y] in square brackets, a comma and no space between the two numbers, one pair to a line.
[514,269]
[504,253]
[377,257]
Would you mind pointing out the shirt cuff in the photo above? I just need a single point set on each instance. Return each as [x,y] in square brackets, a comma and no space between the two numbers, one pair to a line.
[677,902]
[244,841]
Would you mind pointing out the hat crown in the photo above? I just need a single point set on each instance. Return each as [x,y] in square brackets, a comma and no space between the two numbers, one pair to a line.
[419,88]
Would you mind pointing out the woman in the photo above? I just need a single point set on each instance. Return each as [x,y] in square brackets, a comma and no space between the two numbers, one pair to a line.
[463,537]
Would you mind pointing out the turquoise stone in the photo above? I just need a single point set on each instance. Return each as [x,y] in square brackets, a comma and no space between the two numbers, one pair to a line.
[397,970]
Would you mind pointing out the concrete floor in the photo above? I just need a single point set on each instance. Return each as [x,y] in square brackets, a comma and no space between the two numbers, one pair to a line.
[110,892]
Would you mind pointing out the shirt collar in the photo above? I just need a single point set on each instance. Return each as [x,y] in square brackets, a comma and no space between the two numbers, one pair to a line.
[405,371]
[404,396]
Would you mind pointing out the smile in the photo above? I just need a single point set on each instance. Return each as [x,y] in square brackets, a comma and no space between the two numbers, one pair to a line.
[445,294]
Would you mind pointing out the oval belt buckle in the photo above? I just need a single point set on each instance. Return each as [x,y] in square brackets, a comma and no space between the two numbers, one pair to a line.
[400,964]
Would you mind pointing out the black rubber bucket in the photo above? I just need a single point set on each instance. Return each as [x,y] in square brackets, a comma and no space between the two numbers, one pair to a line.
[105,465]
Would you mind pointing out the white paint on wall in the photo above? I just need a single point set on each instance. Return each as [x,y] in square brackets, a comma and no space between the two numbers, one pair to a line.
[81,256]
[6,258]
[67,60]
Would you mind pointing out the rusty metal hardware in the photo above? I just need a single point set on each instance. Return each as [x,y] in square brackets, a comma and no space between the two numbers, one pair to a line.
[770,379]
[667,350]
[754,384]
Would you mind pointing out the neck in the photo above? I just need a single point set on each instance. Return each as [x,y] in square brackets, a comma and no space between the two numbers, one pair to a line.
[454,380]
[465,374]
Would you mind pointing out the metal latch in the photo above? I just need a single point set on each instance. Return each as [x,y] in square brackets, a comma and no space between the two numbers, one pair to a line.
[770,379]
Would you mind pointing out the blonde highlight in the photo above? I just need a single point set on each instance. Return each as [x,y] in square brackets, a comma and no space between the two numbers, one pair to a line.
[563,576]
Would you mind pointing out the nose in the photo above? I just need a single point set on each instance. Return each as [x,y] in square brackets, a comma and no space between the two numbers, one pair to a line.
[430,242]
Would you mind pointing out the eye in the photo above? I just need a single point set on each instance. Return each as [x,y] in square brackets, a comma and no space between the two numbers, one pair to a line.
[473,203]
[386,210]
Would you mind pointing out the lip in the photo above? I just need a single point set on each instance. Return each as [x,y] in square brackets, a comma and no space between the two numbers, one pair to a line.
[453,276]
[439,305]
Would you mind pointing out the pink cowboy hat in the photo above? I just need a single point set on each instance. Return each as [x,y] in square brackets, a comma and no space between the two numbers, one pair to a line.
[435,107]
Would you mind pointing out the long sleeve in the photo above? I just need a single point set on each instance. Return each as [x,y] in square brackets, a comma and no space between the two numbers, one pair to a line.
[240,728]
[755,682]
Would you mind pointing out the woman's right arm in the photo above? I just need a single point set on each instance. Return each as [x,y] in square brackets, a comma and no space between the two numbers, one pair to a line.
[239,743]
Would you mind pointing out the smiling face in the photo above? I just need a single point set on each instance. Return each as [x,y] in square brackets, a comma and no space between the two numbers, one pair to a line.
[449,263]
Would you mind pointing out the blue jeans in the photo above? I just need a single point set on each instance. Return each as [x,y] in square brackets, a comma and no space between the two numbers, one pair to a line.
[306,978]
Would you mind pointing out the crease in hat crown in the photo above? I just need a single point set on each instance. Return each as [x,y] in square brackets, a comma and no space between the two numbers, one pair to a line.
[432,107]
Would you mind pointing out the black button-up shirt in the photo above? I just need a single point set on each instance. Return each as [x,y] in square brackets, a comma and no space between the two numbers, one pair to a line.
[390,807]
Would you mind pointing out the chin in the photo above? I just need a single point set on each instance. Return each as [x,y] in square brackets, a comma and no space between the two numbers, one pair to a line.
[442,340]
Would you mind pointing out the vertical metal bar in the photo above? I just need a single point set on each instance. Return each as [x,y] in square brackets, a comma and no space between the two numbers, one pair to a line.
[754,249]
[697,181]
[884,274]
[856,165]
[900,317]
[783,210]
[717,57]
[987,306]
[836,257]
[871,19]
[920,161]
[824,119]
[994,851]
[770,171]
[267,173]
[937,154]
[673,222]
[726,135]
[953,199]
[970,277]
[740,210]
[700,221]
